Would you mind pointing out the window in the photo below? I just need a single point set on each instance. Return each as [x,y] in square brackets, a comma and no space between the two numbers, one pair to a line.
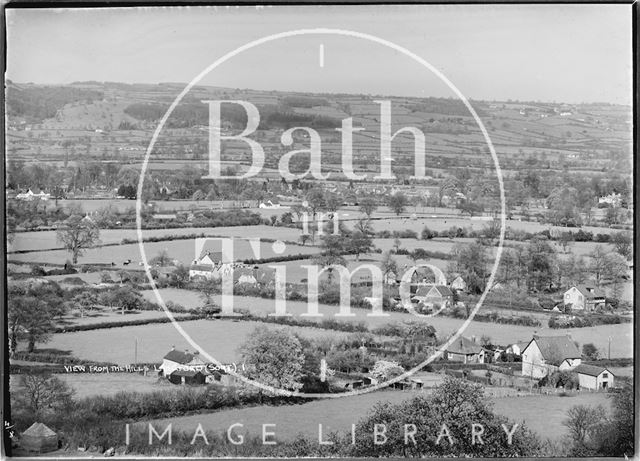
[605,375]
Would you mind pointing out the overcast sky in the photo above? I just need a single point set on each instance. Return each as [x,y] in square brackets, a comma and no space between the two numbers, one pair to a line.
[563,53]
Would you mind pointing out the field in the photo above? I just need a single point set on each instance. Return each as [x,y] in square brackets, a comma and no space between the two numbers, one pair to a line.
[621,334]
[180,250]
[220,338]
[542,414]
[45,240]
[90,384]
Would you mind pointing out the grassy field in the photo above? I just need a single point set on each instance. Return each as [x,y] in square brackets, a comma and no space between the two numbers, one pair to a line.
[47,239]
[621,334]
[90,384]
[220,338]
[181,250]
[542,414]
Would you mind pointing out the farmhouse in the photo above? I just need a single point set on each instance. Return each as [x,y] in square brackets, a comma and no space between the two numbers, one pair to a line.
[463,350]
[546,354]
[179,360]
[594,377]
[584,297]
[434,294]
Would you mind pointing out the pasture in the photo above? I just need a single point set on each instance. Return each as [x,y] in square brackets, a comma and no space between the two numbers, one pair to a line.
[219,338]
[107,384]
[621,334]
[46,240]
[181,250]
[542,414]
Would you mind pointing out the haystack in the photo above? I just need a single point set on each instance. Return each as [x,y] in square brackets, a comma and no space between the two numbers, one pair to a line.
[39,438]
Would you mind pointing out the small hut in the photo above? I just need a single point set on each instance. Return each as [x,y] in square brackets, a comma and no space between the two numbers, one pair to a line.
[39,438]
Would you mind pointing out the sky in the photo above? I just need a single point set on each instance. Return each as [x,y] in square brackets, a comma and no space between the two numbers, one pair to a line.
[563,53]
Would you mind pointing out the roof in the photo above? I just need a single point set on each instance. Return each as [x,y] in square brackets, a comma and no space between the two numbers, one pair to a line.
[595,293]
[555,348]
[441,290]
[39,430]
[591,370]
[201,267]
[179,356]
[186,373]
[464,346]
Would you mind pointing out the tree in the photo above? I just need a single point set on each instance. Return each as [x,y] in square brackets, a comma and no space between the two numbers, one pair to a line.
[29,317]
[456,404]
[42,392]
[358,243]
[471,262]
[273,357]
[398,202]
[368,206]
[622,243]
[590,351]
[206,289]
[85,300]
[162,259]
[78,234]
[385,370]
[598,262]
[332,201]
[585,424]
[389,265]
[565,240]
[315,199]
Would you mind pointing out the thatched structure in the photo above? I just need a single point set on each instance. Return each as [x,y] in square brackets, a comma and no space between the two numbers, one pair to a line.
[39,438]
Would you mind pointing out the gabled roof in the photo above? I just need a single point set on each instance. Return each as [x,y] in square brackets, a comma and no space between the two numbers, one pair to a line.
[591,370]
[179,357]
[555,348]
[464,346]
[39,430]
[440,290]
[594,293]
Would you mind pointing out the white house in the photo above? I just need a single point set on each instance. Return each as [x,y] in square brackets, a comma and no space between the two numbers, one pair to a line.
[583,297]
[594,377]
[434,294]
[546,354]
[179,360]
[33,194]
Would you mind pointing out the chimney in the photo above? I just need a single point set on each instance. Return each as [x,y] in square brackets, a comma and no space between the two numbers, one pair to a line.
[173,348]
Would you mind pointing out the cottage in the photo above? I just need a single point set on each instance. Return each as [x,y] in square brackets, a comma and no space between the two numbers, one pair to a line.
[594,377]
[179,360]
[584,297]
[463,350]
[434,294]
[546,354]
[458,284]
[39,438]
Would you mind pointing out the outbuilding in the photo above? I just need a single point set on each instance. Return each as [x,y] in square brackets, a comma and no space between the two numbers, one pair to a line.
[594,377]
